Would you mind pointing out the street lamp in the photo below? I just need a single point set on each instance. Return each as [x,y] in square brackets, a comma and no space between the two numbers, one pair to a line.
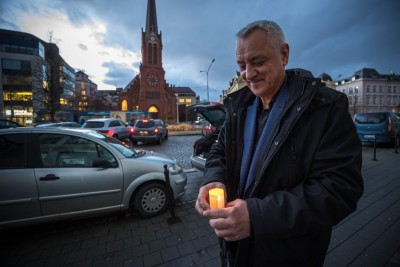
[206,71]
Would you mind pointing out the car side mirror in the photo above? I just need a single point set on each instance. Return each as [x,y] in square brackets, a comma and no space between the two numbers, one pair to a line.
[101,163]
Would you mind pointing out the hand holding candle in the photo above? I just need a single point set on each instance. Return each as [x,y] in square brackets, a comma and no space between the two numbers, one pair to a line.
[217,198]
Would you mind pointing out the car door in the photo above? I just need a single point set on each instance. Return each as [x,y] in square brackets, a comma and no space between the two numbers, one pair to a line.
[68,180]
[120,128]
[18,191]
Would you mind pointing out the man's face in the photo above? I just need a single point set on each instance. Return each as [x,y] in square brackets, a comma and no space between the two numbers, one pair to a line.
[262,66]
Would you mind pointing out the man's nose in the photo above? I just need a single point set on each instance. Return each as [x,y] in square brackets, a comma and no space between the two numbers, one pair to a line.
[250,72]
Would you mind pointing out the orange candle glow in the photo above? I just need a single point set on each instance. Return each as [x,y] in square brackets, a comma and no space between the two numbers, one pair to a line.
[217,198]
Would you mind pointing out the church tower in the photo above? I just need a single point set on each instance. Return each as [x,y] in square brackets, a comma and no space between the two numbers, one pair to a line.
[149,91]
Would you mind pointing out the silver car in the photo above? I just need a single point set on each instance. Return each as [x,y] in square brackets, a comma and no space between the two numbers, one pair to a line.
[49,174]
[112,127]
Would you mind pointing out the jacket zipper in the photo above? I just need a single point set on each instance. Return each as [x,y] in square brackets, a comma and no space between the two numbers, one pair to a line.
[264,166]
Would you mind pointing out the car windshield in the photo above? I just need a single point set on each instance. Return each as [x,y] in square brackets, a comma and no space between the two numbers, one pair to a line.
[371,118]
[121,147]
[145,124]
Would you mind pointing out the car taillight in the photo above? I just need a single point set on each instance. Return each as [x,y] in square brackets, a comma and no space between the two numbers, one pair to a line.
[156,130]
[132,130]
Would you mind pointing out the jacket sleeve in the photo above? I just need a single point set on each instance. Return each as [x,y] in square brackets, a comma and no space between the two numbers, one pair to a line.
[327,194]
[216,163]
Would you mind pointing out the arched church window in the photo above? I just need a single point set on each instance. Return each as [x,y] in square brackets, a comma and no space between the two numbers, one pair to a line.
[124,105]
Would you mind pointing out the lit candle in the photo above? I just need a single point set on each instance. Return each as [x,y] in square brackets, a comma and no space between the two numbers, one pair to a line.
[217,198]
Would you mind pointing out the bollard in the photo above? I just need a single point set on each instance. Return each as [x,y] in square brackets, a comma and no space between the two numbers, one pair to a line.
[170,197]
[374,148]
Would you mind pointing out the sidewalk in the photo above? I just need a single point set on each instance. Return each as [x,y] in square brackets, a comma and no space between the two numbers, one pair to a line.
[368,237]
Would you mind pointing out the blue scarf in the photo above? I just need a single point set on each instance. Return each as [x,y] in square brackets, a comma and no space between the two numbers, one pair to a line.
[251,163]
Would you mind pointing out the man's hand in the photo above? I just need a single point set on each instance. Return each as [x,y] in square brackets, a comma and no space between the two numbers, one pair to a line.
[202,199]
[231,223]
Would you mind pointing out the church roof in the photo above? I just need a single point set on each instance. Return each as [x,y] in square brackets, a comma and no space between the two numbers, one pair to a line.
[151,20]
[183,90]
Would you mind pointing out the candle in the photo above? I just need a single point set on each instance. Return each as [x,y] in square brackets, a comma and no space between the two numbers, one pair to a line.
[217,198]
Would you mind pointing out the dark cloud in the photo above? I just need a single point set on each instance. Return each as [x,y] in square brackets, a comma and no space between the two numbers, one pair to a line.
[336,37]
[117,75]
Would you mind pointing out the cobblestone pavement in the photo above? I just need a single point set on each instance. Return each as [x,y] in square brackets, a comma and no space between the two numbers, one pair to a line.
[178,147]
[368,237]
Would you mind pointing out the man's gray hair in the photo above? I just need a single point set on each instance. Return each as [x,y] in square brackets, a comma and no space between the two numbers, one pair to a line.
[271,28]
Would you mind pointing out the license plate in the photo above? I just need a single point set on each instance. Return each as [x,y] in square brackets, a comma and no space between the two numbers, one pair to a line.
[143,132]
[369,136]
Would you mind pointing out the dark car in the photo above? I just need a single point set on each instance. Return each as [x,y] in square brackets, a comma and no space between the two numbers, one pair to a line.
[4,124]
[382,127]
[214,113]
[149,130]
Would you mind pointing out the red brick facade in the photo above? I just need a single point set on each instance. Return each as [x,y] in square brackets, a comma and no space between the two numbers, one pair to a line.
[148,90]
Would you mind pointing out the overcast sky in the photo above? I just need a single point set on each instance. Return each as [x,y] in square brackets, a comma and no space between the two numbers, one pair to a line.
[103,37]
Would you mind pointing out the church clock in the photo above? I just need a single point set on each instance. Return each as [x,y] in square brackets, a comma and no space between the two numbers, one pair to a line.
[152,79]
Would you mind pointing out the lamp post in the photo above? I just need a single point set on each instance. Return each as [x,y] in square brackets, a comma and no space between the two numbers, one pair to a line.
[206,71]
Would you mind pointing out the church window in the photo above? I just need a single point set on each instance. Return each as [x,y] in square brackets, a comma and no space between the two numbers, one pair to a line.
[124,105]
[155,55]
[149,54]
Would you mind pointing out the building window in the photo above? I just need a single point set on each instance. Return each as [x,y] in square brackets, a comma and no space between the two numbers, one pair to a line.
[380,100]
[368,99]
[124,105]
[368,89]
[356,90]
[374,99]
[394,89]
[155,54]
[350,100]
[374,88]
[389,100]
[380,89]
[181,100]
[389,89]
[351,90]
[188,100]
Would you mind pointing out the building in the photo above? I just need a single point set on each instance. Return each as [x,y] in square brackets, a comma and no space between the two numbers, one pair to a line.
[85,91]
[370,91]
[33,77]
[235,84]
[327,79]
[185,97]
[106,99]
[149,90]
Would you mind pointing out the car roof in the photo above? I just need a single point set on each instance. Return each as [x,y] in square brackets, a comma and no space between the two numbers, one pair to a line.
[103,119]
[79,131]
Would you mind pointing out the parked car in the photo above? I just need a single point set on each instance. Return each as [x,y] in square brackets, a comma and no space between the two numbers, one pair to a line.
[214,113]
[112,127]
[61,124]
[57,173]
[384,127]
[4,124]
[149,130]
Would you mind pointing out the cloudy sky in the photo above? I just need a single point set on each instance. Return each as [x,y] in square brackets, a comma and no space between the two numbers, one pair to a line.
[103,37]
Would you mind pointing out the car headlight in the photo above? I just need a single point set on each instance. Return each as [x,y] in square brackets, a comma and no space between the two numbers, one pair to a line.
[174,169]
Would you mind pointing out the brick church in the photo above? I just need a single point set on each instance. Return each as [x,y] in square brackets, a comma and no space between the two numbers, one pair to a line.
[148,90]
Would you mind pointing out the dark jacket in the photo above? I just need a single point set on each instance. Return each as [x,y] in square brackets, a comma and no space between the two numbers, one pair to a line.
[309,180]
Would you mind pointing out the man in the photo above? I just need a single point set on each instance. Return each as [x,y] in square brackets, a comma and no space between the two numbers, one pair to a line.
[288,157]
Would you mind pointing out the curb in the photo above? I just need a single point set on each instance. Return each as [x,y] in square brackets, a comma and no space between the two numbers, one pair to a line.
[179,133]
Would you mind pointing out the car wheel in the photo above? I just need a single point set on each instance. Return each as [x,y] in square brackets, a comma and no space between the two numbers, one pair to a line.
[150,200]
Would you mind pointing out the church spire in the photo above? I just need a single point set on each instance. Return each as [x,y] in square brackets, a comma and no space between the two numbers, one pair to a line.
[151,20]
